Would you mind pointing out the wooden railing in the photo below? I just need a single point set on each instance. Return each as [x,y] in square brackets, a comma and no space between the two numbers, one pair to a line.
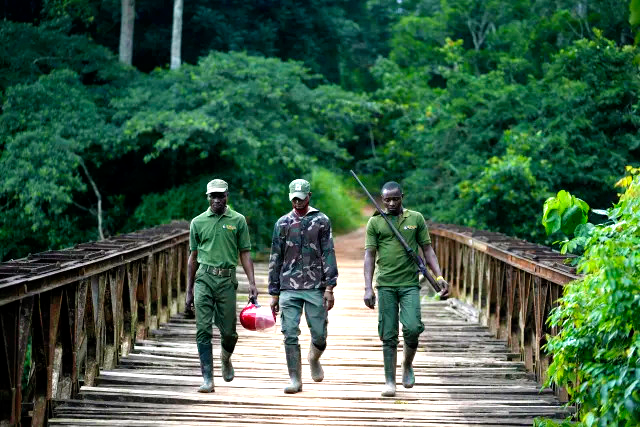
[513,284]
[66,314]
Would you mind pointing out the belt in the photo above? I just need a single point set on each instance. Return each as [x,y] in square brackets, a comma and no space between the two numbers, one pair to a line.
[216,271]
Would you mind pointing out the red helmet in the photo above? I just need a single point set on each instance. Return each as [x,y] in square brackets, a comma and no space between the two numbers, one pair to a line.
[257,318]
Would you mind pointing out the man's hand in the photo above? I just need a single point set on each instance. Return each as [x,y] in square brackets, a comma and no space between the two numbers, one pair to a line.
[444,293]
[275,303]
[189,309]
[369,298]
[253,291]
[328,299]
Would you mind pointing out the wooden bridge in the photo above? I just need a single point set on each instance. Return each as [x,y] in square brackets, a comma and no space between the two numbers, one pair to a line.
[100,329]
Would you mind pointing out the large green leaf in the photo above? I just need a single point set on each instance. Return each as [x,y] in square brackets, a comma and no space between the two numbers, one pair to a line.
[552,221]
[571,218]
[564,213]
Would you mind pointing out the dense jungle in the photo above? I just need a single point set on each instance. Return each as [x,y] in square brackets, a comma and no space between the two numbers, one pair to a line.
[481,109]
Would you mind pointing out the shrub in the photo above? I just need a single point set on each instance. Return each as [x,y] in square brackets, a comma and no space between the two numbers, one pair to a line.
[333,195]
[596,355]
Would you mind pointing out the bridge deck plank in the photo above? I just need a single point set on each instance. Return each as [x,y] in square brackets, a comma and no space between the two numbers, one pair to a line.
[463,376]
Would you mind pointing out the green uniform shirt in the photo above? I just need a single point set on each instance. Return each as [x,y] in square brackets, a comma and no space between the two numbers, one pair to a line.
[393,265]
[219,238]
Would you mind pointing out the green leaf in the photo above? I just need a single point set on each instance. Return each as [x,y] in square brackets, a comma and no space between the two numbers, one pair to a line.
[552,222]
[571,218]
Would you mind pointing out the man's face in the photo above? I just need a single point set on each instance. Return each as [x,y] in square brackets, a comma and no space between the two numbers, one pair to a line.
[217,202]
[392,200]
[301,204]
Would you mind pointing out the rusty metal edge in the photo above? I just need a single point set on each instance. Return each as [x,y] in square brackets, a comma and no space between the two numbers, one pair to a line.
[25,287]
[543,271]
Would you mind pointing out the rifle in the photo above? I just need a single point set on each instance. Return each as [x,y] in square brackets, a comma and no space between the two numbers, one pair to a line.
[417,259]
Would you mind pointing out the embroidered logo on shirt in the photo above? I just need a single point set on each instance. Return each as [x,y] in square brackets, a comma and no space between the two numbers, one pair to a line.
[410,227]
[228,227]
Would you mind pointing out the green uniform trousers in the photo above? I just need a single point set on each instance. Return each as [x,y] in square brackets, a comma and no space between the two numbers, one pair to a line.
[291,304]
[215,302]
[403,304]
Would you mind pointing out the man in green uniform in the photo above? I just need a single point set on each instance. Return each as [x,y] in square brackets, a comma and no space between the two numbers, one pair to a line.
[397,281]
[217,237]
[302,273]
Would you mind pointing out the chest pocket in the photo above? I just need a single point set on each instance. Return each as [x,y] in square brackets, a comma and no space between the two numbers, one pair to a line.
[228,232]
[309,232]
[406,229]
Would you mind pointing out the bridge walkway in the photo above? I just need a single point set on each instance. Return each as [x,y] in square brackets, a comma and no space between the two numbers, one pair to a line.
[464,376]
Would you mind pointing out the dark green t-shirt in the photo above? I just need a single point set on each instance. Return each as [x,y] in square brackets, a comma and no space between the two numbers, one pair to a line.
[393,265]
[219,238]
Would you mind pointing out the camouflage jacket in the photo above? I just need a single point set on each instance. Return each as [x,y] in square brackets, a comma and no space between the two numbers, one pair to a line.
[302,254]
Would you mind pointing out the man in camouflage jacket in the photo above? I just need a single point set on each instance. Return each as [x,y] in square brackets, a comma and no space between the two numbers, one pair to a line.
[302,274]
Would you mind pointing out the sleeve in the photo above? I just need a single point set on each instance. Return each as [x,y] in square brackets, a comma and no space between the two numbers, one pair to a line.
[193,237]
[329,263]
[244,241]
[371,237]
[275,261]
[423,237]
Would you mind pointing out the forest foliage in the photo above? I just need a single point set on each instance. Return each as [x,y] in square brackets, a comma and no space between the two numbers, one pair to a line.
[481,109]
[596,355]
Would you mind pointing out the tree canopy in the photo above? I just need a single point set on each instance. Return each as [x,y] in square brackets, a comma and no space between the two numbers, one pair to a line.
[482,109]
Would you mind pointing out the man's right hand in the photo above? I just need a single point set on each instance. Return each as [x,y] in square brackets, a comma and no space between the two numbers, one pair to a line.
[275,303]
[369,298]
[444,293]
[189,308]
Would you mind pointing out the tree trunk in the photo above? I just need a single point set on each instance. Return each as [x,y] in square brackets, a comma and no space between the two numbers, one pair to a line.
[176,37]
[126,30]
[98,196]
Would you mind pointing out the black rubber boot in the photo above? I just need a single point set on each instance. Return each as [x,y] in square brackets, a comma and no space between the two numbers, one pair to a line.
[317,373]
[390,356]
[408,379]
[294,364]
[205,351]
[227,368]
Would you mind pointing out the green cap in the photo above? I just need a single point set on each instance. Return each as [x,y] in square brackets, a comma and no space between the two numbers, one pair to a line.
[217,186]
[299,188]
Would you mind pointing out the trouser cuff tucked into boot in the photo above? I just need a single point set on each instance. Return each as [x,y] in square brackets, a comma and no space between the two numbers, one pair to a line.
[408,378]
[294,364]
[227,368]
[390,356]
[205,351]
[317,373]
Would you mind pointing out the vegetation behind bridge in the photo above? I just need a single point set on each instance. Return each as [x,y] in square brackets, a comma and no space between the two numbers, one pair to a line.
[482,109]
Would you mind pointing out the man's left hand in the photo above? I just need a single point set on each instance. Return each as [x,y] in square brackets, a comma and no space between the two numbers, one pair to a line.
[253,291]
[328,299]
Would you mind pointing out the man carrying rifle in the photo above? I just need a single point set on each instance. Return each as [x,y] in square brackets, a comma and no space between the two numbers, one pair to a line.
[397,281]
